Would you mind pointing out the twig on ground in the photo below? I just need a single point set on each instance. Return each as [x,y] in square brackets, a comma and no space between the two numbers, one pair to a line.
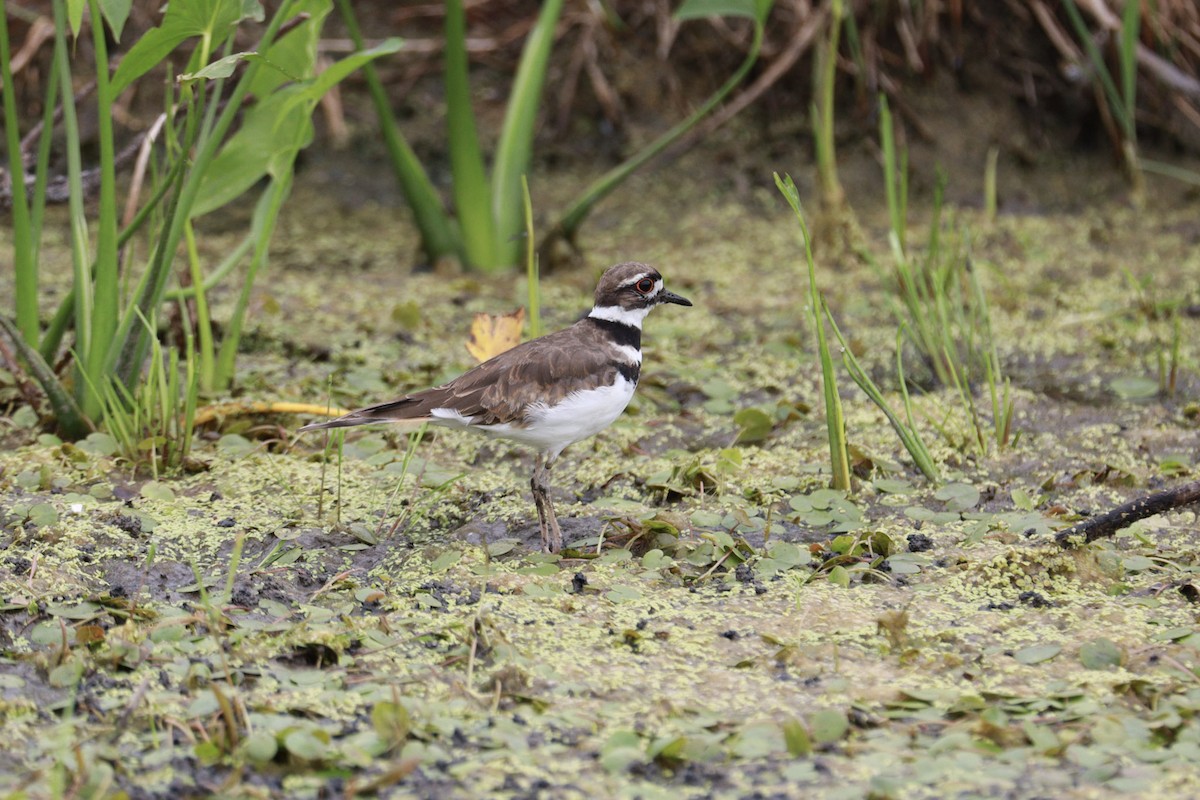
[1125,515]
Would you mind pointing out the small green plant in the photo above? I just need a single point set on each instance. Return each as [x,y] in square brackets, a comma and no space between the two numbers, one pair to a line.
[941,306]
[152,423]
[906,429]
[200,164]
[839,458]
[484,233]
[489,208]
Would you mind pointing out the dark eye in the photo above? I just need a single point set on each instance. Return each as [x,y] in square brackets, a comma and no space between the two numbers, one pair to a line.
[645,286]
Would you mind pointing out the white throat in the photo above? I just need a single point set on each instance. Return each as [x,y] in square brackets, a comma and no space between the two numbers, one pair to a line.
[624,316]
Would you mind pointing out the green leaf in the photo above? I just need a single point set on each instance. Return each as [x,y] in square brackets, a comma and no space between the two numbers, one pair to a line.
[445,561]
[755,425]
[1134,387]
[273,132]
[213,19]
[234,446]
[828,726]
[222,67]
[623,594]
[796,737]
[958,496]
[260,747]
[1036,654]
[153,490]
[99,444]
[75,15]
[115,13]
[1100,654]
[1137,563]
[391,722]
[42,514]
[310,745]
[66,674]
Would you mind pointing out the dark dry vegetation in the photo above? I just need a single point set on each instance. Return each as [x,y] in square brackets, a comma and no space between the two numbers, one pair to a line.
[278,620]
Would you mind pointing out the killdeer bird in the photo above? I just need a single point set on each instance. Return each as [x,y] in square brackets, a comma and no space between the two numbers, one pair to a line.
[549,392]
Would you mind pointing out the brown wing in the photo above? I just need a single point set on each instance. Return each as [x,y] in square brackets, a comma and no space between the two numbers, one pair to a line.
[499,390]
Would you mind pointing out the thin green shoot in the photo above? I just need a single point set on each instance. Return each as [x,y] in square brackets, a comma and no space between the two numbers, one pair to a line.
[907,432]
[235,559]
[203,321]
[895,182]
[989,184]
[833,196]
[532,276]
[414,441]
[839,458]
[24,241]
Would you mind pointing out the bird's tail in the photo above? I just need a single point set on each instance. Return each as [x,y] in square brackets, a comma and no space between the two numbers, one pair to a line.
[406,408]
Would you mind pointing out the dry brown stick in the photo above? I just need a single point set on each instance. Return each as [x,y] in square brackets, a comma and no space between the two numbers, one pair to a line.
[1125,515]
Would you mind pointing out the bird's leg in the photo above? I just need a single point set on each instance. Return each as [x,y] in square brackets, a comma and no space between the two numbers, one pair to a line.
[547,520]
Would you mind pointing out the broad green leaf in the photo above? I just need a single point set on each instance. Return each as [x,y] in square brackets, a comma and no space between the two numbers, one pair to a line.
[828,726]
[958,496]
[310,745]
[260,746]
[272,134]
[1036,654]
[153,490]
[445,561]
[75,15]
[222,67]
[1134,387]
[293,56]
[755,425]
[1100,654]
[214,19]
[43,514]
[115,13]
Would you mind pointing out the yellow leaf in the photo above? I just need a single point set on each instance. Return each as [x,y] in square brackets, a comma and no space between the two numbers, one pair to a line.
[492,334]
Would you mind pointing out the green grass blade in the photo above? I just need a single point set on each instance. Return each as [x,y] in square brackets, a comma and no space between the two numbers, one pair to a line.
[908,434]
[105,310]
[516,136]
[472,198]
[24,247]
[834,419]
[532,277]
[203,320]
[71,421]
[265,216]
[887,138]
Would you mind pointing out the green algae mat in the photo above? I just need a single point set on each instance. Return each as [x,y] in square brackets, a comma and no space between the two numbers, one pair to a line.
[281,619]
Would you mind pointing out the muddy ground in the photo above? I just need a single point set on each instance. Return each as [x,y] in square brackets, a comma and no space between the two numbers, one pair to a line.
[274,623]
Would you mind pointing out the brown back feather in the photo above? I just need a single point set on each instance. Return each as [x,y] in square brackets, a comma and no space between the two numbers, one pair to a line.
[546,369]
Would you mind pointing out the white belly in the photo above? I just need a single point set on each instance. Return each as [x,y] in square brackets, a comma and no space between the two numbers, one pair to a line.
[579,415]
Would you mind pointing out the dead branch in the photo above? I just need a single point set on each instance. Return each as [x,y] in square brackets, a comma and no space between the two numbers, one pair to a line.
[1125,515]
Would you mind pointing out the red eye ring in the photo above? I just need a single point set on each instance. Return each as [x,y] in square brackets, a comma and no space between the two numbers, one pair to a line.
[644,286]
